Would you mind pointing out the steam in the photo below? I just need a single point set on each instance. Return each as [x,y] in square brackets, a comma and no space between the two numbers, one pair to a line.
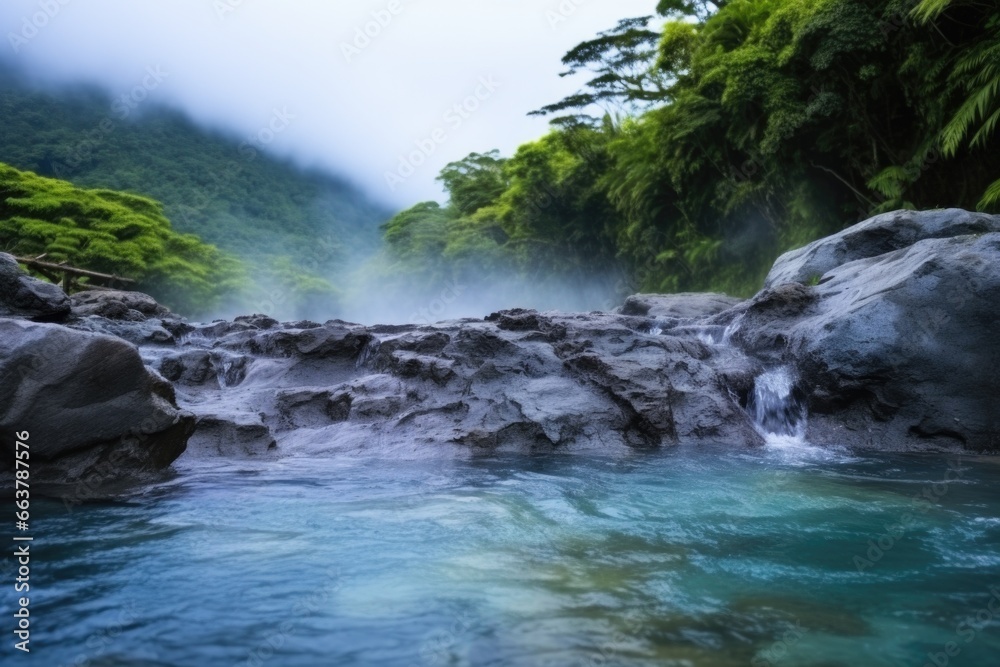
[380,93]
[378,301]
[367,296]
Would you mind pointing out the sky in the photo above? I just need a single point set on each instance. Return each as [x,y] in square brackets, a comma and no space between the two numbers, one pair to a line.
[383,93]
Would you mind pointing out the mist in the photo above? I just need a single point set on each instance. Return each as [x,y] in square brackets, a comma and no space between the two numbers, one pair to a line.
[379,93]
[377,301]
[383,93]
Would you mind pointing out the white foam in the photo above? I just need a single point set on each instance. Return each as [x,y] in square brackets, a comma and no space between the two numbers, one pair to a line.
[779,415]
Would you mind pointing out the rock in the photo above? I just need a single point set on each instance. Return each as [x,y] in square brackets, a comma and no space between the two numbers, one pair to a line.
[194,367]
[24,296]
[141,332]
[231,435]
[258,321]
[677,306]
[118,305]
[521,381]
[760,325]
[97,417]
[331,340]
[311,408]
[891,347]
[132,316]
[871,238]
[894,352]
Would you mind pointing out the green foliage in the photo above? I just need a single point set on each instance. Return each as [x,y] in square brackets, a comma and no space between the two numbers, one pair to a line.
[116,233]
[224,189]
[755,126]
[991,198]
[699,8]
[475,182]
[539,215]
[621,62]
[975,73]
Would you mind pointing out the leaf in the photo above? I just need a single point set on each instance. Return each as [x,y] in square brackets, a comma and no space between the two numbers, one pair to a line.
[928,10]
[890,182]
[991,198]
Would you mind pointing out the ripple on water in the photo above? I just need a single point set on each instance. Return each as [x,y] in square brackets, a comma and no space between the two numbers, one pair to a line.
[668,559]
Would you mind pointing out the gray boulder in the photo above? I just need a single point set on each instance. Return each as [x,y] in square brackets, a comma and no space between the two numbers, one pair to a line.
[892,348]
[132,316]
[897,351]
[874,237]
[24,296]
[521,381]
[677,306]
[118,305]
[98,418]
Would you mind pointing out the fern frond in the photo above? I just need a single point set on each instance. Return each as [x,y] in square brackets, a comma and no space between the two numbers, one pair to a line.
[928,10]
[991,198]
[975,107]
[889,182]
[984,132]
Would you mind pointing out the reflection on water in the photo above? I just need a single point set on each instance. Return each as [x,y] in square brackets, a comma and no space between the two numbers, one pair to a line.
[694,559]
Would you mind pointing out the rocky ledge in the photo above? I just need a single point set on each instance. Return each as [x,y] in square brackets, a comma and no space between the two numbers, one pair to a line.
[881,336]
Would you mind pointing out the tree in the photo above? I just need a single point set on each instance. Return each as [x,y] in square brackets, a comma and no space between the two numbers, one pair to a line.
[474,182]
[113,232]
[621,60]
[975,71]
[740,130]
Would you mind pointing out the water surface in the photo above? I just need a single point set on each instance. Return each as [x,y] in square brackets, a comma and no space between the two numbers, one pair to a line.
[685,558]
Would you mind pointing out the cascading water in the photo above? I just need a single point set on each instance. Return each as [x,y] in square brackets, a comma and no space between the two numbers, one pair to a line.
[369,352]
[777,409]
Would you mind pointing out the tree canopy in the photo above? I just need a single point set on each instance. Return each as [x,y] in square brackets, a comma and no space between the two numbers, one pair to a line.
[113,232]
[712,138]
[298,231]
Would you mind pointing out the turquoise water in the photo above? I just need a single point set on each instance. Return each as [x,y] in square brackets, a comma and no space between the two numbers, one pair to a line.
[678,558]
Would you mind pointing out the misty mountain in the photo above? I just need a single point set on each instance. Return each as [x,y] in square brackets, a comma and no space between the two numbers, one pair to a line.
[296,229]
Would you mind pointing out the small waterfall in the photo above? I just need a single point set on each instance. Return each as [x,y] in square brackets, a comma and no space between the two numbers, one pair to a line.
[731,330]
[230,370]
[776,405]
[369,352]
[777,408]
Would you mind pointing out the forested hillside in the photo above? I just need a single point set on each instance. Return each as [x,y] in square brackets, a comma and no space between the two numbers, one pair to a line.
[704,141]
[735,131]
[116,233]
[296,230]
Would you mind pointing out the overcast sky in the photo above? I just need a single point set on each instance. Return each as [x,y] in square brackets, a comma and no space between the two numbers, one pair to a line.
[352,104]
